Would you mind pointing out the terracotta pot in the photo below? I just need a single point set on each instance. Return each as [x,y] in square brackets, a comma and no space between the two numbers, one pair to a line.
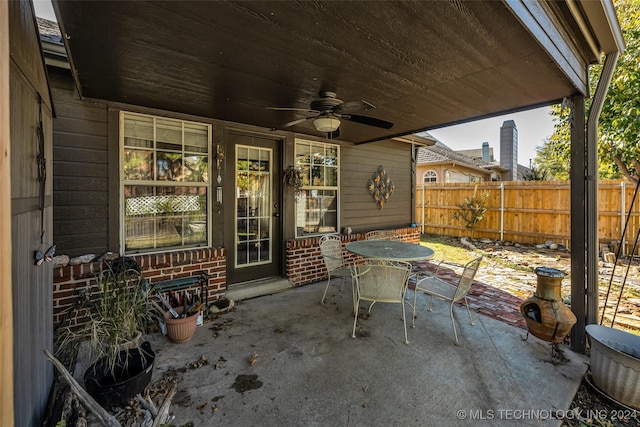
[547,317]
[182,329]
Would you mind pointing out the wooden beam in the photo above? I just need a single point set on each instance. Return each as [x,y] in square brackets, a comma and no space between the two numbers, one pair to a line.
[578,223]
[6,314]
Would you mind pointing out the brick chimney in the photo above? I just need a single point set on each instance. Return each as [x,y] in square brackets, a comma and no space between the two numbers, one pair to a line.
[509,150]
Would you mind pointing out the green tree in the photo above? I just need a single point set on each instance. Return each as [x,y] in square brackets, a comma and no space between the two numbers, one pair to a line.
[536,173]
[619,124]
[555,155]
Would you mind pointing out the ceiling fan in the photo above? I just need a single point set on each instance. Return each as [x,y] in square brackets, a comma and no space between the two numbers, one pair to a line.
[328,111]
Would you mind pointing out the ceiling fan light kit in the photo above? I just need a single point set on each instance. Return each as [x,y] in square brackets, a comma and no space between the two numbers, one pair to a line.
[327,110]
[326,124]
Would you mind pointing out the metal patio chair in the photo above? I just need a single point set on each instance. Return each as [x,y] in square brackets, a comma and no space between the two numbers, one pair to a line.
[334,261]
[435,286]
[381,281]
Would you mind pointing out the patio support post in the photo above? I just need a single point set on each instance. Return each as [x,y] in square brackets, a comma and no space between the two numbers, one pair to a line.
[6,314]
[623,213]
[578,222]
[414,186]
[591,207]
[502,211]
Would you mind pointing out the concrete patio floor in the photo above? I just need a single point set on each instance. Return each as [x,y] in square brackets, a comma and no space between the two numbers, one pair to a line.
[286,359]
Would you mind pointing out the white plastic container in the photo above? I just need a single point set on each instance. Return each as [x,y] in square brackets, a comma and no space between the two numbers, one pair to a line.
[615,363]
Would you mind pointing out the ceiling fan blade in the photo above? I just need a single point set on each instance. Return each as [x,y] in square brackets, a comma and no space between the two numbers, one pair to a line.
[301,110]
[352,106]
[371,121]
[293,123]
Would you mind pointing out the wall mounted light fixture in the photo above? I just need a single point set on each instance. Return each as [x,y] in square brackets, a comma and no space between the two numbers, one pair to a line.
[219,159]
[219,164]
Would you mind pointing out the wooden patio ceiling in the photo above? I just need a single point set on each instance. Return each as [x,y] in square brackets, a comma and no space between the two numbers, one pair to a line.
[422,64]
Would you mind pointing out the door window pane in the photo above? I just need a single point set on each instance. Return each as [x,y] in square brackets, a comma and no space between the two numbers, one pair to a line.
[253,205]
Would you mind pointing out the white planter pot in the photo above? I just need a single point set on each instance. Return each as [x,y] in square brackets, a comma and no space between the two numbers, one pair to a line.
[615,363]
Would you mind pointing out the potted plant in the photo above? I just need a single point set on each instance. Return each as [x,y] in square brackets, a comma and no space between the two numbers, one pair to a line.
[181,329]
[116,314]
[292,177]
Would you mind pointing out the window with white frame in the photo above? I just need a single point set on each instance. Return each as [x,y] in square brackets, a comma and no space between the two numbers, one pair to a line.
[164,183]
[429,177]
[317,207]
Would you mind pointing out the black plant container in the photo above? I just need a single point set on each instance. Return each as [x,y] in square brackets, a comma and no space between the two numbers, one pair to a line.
[130,377]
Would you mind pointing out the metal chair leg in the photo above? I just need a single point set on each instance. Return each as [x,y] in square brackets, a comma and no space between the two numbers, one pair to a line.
[355,319]
[415,298]
[453,322]
[466,303]
[326,288]
[404,322]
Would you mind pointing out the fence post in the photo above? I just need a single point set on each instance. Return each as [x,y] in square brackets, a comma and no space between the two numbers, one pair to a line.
[623,204]
[502,211]
[422,219]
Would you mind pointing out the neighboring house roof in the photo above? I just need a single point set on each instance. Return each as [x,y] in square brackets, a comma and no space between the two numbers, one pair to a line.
[440,153]
[476,153]
[424,139]
[49,31]
[522,170]
[55,53]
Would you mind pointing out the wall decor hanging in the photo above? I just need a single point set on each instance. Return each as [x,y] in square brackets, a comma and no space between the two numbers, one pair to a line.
[380,186]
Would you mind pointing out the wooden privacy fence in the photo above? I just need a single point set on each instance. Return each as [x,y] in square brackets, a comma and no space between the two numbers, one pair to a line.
[527,211]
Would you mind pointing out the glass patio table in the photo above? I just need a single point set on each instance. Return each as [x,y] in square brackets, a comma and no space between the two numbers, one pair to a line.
[393,250]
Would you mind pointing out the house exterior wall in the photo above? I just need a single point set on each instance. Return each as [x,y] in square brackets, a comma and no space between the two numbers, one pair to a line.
[30,164]
[86,175]
[441,170]
[86,199]
[80,171]
[359,210]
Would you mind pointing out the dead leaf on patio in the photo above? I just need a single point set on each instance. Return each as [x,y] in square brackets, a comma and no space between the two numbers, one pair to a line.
[221,326]
[278,330]
[201,407]
[220,363]
[200,363]
[253,359]
[215,408]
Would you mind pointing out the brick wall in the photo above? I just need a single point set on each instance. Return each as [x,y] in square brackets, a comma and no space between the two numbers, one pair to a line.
[71,281]
[304,261]
[303,265]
